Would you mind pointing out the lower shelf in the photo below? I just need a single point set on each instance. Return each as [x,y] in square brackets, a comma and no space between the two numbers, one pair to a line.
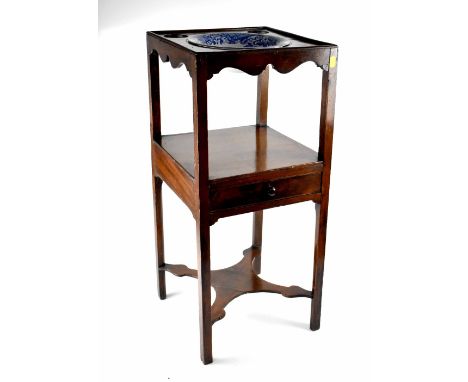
[235,281]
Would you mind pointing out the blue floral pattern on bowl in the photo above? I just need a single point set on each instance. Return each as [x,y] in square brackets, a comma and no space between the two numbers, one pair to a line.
[237,40]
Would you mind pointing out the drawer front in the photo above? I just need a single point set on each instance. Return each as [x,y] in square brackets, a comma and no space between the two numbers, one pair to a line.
[229,197]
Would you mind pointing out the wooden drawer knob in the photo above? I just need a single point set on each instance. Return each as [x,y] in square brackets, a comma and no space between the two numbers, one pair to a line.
[271,190]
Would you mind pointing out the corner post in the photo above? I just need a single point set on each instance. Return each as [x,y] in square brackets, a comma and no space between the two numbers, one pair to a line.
[155,128]
[262,112]
[201,170]
[325,154]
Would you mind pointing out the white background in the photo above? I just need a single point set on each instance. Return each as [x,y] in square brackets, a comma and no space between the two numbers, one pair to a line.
[78,298]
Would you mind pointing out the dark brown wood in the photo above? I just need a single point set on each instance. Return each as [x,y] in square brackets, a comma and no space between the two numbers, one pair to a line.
[246,162]
[166,49]
[262,115]
[262,97]
[175,176]
[252,193]
[284,62]
[155,108]
[218,214]
[158,217]
[173,46]
[201,170]
[234,155]
[257,237]
[325,154]
[235,281]
[238,170]
[155,129]
[277,173]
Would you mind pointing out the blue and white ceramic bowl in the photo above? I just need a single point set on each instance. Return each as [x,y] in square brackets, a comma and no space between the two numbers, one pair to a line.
[237,40]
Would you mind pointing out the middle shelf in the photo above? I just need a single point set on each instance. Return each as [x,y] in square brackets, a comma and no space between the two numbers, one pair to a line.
[250,168]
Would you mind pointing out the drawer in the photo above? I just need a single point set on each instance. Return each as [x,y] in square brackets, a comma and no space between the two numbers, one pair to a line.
[235,196]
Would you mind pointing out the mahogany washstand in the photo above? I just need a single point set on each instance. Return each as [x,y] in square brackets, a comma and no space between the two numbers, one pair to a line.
[221,173]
